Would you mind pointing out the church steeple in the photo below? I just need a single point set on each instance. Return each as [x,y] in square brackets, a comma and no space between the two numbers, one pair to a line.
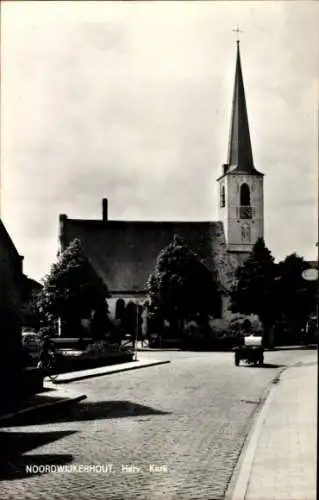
[241,191]
[240,156]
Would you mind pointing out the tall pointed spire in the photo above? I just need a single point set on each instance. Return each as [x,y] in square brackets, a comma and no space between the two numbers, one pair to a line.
[240,156]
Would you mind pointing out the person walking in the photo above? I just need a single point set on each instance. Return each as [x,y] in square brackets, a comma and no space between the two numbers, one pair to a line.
[47,349]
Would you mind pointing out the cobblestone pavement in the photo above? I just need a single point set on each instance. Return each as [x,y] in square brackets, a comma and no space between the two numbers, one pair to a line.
[190,416]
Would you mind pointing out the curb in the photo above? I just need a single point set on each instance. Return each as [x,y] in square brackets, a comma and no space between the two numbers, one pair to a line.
[110,372]
[238,485]
[33,410]
[158,349]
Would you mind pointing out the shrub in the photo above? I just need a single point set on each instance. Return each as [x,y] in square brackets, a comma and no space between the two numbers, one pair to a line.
[219,328]
[49,330]
[245,325]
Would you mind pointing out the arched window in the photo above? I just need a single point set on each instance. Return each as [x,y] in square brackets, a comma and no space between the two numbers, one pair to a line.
[222,197]
[119,309]
[245,208]
[244,195]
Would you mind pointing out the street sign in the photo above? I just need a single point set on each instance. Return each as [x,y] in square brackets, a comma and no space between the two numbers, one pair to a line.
[310,274]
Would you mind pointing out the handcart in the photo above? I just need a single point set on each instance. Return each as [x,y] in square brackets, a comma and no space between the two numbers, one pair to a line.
[252,352]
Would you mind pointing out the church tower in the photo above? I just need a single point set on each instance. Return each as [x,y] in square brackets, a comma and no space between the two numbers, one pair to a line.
[241,196]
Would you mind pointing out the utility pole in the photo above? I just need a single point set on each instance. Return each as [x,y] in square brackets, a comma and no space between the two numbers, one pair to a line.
[136,331]
[59,327]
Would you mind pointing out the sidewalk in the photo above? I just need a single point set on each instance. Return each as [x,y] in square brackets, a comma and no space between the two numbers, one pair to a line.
[39,405]
[55,397]
[280,460]
[65,378]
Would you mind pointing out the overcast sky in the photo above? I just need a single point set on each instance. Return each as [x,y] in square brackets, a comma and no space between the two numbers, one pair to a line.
[132,101]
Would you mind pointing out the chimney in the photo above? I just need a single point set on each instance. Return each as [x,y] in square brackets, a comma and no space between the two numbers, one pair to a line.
[62,221]
[104,210]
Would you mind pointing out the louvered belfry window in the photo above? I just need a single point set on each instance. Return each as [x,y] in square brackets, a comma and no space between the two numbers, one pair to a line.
[222,197]
[245,211]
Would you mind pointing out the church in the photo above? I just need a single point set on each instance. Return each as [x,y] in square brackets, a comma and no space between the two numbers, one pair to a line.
[124,253]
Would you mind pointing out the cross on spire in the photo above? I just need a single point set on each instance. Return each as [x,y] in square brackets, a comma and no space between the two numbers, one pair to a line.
[240,152]
[240,156]
[237,30]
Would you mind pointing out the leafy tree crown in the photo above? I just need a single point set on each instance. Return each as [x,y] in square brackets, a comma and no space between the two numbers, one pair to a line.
[181,284]
[72,287]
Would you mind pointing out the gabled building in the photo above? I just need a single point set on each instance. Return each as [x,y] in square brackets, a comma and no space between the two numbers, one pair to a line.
[11,297]
[124,252]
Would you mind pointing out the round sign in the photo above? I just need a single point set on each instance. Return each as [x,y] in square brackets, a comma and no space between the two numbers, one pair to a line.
[310,274]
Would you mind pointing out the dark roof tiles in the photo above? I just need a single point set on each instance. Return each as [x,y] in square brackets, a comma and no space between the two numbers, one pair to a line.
[124,253]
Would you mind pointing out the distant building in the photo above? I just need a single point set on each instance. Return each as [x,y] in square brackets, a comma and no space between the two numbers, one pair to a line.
[313,264]
[124,252]
[31,286]
[11,297]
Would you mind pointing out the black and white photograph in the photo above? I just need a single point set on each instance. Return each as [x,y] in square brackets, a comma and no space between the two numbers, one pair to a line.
[159,257]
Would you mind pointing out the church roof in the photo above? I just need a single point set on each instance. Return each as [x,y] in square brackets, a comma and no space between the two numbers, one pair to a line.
[124,253]
[240,156]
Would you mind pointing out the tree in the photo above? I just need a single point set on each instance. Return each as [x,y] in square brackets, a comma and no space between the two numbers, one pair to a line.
[72,290]
[296,296]
[181,287]
[255,290]
[30,312]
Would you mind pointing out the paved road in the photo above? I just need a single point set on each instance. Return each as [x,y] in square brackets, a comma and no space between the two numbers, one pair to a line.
[190,418]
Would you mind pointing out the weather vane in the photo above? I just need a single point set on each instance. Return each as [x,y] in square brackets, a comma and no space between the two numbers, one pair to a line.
[238,31]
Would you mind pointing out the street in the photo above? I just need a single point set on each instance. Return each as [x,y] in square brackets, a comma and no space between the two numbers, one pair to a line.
[173,431]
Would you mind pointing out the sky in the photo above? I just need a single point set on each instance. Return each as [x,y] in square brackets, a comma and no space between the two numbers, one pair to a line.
[132,101]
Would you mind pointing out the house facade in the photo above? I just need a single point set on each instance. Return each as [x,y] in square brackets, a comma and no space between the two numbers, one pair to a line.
[11,297]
